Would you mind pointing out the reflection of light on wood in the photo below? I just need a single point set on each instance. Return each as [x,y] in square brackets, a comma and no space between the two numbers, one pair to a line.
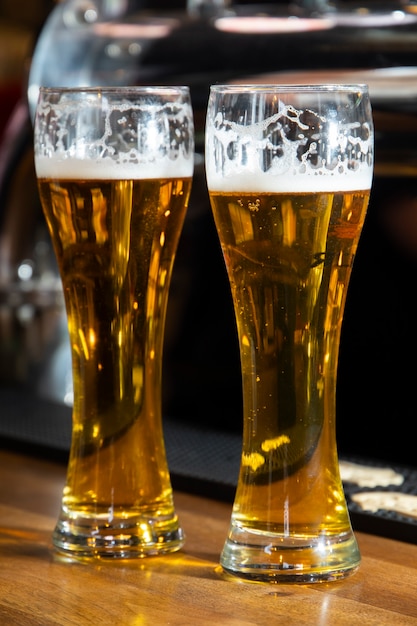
[401,503]
[366,476]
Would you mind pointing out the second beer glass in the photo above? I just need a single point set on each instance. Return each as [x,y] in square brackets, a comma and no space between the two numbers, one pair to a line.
[289,172]
[114,168]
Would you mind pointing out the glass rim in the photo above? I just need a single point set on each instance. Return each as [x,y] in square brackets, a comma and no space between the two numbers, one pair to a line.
[290,88]
[113,89]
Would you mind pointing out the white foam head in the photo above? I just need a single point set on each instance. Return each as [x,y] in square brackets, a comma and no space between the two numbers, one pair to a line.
[62,168]
[130,133]
[292,150]
[291,182]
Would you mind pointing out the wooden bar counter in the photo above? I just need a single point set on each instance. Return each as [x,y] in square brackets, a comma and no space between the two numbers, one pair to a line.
[182,589]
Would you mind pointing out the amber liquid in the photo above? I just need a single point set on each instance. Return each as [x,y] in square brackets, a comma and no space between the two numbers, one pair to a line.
[115,241]
[289,258]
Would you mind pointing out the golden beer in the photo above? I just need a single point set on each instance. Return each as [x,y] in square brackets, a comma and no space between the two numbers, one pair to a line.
[289,258]
[114,169]
[115,240]
[289,170]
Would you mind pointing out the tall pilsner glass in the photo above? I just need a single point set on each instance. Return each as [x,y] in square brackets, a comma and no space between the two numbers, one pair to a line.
[289,171]
[114,169]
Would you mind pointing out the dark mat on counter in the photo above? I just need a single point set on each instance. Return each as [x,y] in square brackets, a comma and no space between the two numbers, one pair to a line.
[201,461]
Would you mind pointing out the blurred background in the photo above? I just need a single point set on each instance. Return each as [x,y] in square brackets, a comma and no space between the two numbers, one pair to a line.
[19,26]
[198,43]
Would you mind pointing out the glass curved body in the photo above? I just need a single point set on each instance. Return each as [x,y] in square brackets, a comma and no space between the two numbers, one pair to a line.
[289,171]
[114,169]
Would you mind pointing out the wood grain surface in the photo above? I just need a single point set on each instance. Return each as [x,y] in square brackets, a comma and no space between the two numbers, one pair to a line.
[183,589]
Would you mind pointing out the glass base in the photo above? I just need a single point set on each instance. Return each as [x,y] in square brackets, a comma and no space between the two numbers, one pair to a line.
[281,559]
[122,539]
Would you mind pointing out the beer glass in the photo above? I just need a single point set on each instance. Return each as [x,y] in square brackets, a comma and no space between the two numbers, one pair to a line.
[289,172]
[114,169]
